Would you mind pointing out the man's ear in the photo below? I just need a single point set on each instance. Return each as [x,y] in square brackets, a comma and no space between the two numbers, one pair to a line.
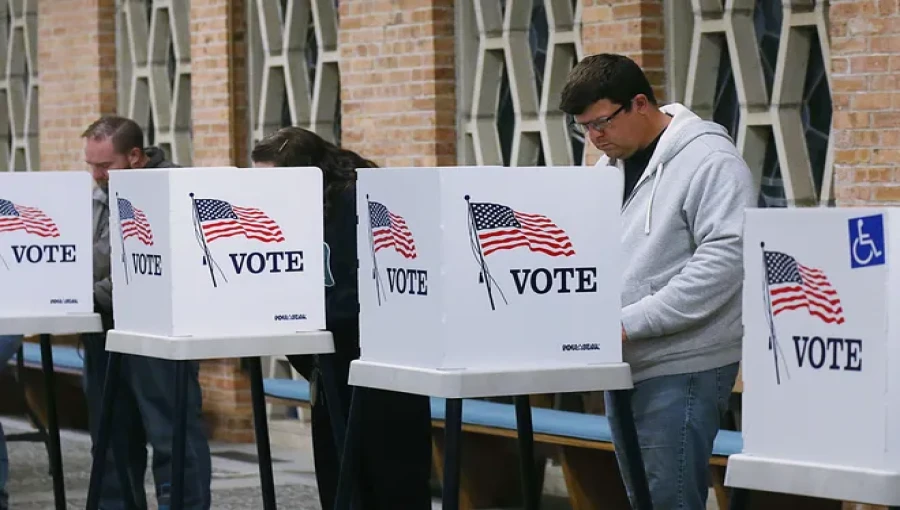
[135,156]
[641,103]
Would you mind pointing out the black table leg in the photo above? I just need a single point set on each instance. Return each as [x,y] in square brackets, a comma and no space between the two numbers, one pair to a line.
[178,434]
[530,495]
[632,450]
[738,498]
[56,467]
[104,431]
[452,454]
[347,486]
[263,449]
[333,400]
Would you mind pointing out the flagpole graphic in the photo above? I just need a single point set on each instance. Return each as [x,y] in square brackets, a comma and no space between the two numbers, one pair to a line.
[376,275]
[773,340]
[201,239]
[122,239]
[4,261]
[485,275]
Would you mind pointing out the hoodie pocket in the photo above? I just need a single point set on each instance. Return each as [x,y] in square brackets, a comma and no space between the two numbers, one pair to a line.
[632,292]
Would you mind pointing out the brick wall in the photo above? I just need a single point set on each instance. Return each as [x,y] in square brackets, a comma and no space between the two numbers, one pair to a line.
[631,28]
[398,95]
[218,82]
[219,123]
[77,73]
[865,60]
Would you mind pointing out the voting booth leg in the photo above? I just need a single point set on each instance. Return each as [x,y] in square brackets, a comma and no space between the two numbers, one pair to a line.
[738,500]
[347,497]
[263,449]
[530,495]
[104,431]
[179,434]
[452,453]
[56,467]
[333,401]
[632,450]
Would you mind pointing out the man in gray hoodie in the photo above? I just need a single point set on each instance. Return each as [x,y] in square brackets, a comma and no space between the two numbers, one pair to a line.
[144,409]
[686,189]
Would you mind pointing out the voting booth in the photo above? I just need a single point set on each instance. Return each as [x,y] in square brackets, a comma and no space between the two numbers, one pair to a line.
[217,251]
[821,400]
[45,243]
[474,267]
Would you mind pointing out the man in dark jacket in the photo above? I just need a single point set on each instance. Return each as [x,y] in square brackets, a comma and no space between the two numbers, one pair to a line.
[144,410]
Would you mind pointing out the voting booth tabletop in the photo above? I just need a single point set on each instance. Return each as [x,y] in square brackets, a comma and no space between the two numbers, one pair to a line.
[474,383]
[46,325]
[216,347]
[842,483]
[50,324]
[518,381]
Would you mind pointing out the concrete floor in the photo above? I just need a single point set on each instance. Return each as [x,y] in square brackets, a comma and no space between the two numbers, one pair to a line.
[235,483]
[235,480]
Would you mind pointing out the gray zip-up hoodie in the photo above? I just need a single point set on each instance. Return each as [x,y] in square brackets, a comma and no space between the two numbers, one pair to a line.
[683,241]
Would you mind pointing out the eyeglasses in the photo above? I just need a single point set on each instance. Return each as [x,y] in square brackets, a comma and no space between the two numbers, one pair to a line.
[596,124]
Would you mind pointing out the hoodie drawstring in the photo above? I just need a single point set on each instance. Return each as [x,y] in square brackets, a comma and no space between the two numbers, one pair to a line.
[656,177]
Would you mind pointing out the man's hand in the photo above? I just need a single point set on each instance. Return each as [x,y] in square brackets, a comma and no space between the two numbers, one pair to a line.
[624,337]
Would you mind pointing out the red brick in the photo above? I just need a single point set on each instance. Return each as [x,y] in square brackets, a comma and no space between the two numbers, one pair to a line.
[871,101]
[886,194]
[869,64]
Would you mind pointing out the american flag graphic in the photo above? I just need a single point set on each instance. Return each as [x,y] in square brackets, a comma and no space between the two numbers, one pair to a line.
[502,228]
[134,222]
[793,286]
[389,229]
[30,219]
[219,219]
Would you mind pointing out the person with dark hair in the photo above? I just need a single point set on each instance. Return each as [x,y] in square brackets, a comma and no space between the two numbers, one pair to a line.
[686,189]
[395,464]
[144,409]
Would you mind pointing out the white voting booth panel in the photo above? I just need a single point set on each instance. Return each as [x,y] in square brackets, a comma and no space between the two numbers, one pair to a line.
[821,353]
[46,256]
[489,267]
[217,251]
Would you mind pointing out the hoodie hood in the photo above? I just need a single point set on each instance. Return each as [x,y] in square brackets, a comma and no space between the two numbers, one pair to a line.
[684,128]
[156,158]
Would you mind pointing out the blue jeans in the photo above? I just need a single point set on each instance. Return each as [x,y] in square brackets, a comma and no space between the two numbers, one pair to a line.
[9,344]
[143,413]
[677,419]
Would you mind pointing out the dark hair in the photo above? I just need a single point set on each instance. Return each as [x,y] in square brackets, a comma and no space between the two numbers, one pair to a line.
[295,146]
[125,133]
[615,78]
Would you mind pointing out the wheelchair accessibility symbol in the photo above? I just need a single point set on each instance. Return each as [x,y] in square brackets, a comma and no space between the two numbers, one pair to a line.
[866,241]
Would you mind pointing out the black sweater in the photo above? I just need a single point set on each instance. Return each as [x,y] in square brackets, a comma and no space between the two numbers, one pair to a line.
[342,288]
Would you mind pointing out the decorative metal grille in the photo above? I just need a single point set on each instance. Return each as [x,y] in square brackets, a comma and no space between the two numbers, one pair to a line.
[153,48]
[18,86]
[513,58]
[771,90]
[293,65]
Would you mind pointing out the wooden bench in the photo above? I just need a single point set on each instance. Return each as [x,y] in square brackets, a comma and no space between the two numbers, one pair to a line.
[582,443]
